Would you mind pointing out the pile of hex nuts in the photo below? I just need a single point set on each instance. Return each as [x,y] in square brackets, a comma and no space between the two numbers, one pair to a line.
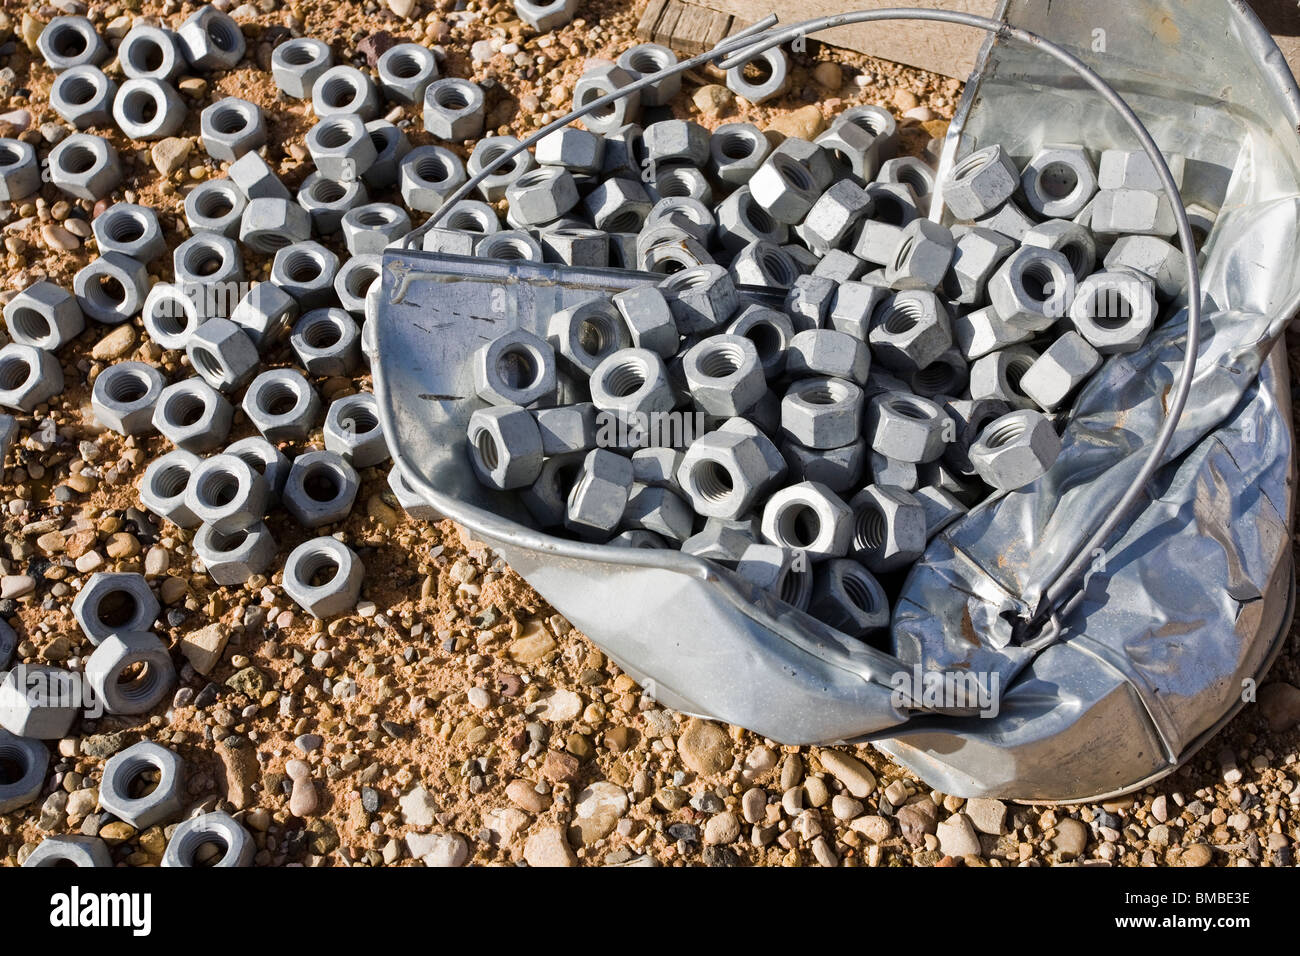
[864,374]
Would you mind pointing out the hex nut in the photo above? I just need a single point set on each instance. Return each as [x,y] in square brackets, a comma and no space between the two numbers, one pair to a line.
[585,335]
[29,759]
[781,572]
[770,332]
[577,150]
[822,413]
[373,227]
[725,472]
[162,489]
[946,375]
[28,376]
[1153,257]
[269,225]
[853,150]
[111,289]
[847,597]
[742,222]
[454,109]
[980,183]
[493,149]
[658,510]
[700,299]
[923,257]
[1132,212]
[983,331]
[575,247]
[834,216]
[542,195]
[1059,181]
[942,509]
[393,145]
[1033,288]
[633,387]
[546,498]
[265,313]
[910,330]
[1009,220]
[567,429]
[83,95]
[914,173]
[71,41]
[894,474]
[354,279]
[598,499]
[39,702]
[1062,367]
[327,342]
[405,71]
[976,256]
[724,375]
[905,427]
[130,672]
[129,768]
[646,540]
[722,540]
[341,147]
[1070,239]
[297,64]
[222,354]
[231,127]
[645,59]
[193,415]
[207,830]
[893,207]
[888,528]
[353,430]
[616,205]
[428,175]
[1133,169]
[131,230]
[1114,311]
[79,851]
[854,307]
[970,416]
[839,469]
[282,405]
[110,602]
[233,555]
[264,458]
[20,173]
[345,89]
[770,72]
[599,81]
[784,188]
[827,353]
[511,245]
[810,518]
[517,368]
[1016,450]
[809,301]
[124,395]
[216,205]
[211,40]
[306,271]
[83,166]
[44,316]
[148,109]
[226,492]
[505,447]
[255,178]
[998,374]
[320,489]
[736,151]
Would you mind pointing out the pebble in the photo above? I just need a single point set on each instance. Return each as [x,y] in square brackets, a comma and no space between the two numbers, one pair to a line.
[549,847]
[304,801]
[987,816]
[418,807]
[1160,808]
[439,849]
[753,805]
[957,836]
[478,698]
[558,705]
[597,810]
[905,100]
[853,773]
[721,829]
[828,75]
[824,853]
[1198,854]
[16,585]
[116,344]
[845,807]
[308,743]
[170,154]
[922,114]
[1071,838]
[804,123]
[875,828]
[1279,703]
[705,747]
[57,237]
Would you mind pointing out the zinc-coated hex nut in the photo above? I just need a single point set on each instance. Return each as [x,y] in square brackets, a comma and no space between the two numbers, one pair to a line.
[405,71]
[834,216]
[151,53]
[1016,450]
[209,272]
[682,182]
[110,602]
[211,40]
[567,429]
[677,141]
[894,474]
[668,258]
[545,15]
[722,540]
[542,195]
[282,405]
[354,280]
[83,166]
[847,597]
[264,458]
[83,96]
[762,78]
[598,499]
[148,109]
[71,41]
[585,335]
[392,145]
[111,289]
[911,172]
[517,368]
[970,416]
[736,151]
[1132,212]
[781,572]
[976,256]
[743,222]
[880,123]
[577,150]
[28,376]
[852,149]
[811,518]
[839,469]
[942,509]
[923,256]
[327,201]
[765,265]
[815,160]
[809,301]
[408,498]
[1062,367]
[220,830]
[44,316]
[888,528]
[227,492]
[910,330]
[40,702]
[854,307]
[1033,288]
[770,332]
[657,466]
[1070,239]
[193,415]
[162,489]
[893,207]
[328,559]
[341,147]
[234,554]
[1009,220]
[980,183]
[1132,169]
[306,271]
[327,342]
[599,81]
[617,205]
[255,178]
[1153,257]
[575,247]
[373,227]
[823,413]
[124,396]
[998,374]
[131,229]
[724,375]
[216,205]
[646,540]
[683,212]
[946,375]
[345,89]
[20,173]
[829,354]
[471,216]
[505,447]
[223,354]
[701,299]
[25,761]
[649,320]
[296,65]
[320,489]
[428,175]
[454,109]
[352,428]
[129,768]
[511,245]
[269,225]
[983,331]
[633,386]
[646,59]
[784,188]
[264,313]
[488,150]
[1059,181]
[1114,311]
[78,851]
[232,127]
[905,427]
[658,510]
[546,498]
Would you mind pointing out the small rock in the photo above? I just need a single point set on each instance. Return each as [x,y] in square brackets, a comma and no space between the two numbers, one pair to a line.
[1198,854]
[875,828]
[170,154]
[828,76]
[533,646]
[418,808]
[115,344]
[559,705]
[1071,838]
[987,816]
[549,847]
[705,747]
[905,100]
[845,807]
[402,8]
[597,810]
[753,805]
[713,100]
[440,849]
[525,796]
[853,773]
[804,123]
[1279,702]
[721,829]
[957,837]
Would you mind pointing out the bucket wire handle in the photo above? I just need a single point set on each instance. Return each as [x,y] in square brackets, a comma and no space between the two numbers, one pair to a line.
[742,47]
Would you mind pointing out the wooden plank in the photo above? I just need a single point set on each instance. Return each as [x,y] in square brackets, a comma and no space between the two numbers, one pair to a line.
[720,25]
[688,35]
[668,22]
[649,22]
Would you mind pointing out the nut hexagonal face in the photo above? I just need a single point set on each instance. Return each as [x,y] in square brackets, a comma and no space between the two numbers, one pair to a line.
[976,256]
[454,109]
[1015,450]
[79,851]
[632,385]
[226,492]
[124,395]
[998,374]
[130,229]
[893,208]
[345,89]
[983,331]
[923,256]
[234,555]
[834,216]
[327,342]
[811,518]
[852,150]
[148,109]
[511,245]
[269,225]
[143,763]
[598,498]
[722,540]
[297,64]
[822,413]
[770,332]
[1133,169]
[946,375]
[44,316]
[736,151]
[341,147]
[1033,288]
[28,376]
[577,150]
[677,141]
[658,510]
[742,221]
[784,188]
[906,427]
[223,354]
[209,271]
[1115,311]
[264,313]
[254,177]
[371,228]
[854,306]
[781,572]
[914,173]
[808,303]
[232,127]
[682,182]
[405,71]
[493,149]
[112,288]
[980,183]
[657,467]
[162,489]
[585,335]
[505,447]
[846,596]
[20,173]
[545,15]
[392,144]
[306,271]
[110,602]
[910,330]
[888,528]
[40,702]
[724,473]
[764,77]
[970,416]
[193,415]
[428,175]
[645,59]
[1070,239]
[839,469]
[894,474]
[211,40]
[354,280]
[352,429]
[216,205]
[324,577]
[1064,365]
[1059,181]
[83,96]
[71,41]
[765,265]
[829,354]
[83,166]
[130,673]
[264,458]
[1153,257]
[206,830]
[517,368]
[320,489]
[724,375]
[600,81]
[25,761]
[542,195]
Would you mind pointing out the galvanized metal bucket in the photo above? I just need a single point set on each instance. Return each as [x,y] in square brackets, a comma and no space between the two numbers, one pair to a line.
[1187,605]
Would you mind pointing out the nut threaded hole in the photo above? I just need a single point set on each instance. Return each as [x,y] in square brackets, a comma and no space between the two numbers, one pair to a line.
[711,481]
